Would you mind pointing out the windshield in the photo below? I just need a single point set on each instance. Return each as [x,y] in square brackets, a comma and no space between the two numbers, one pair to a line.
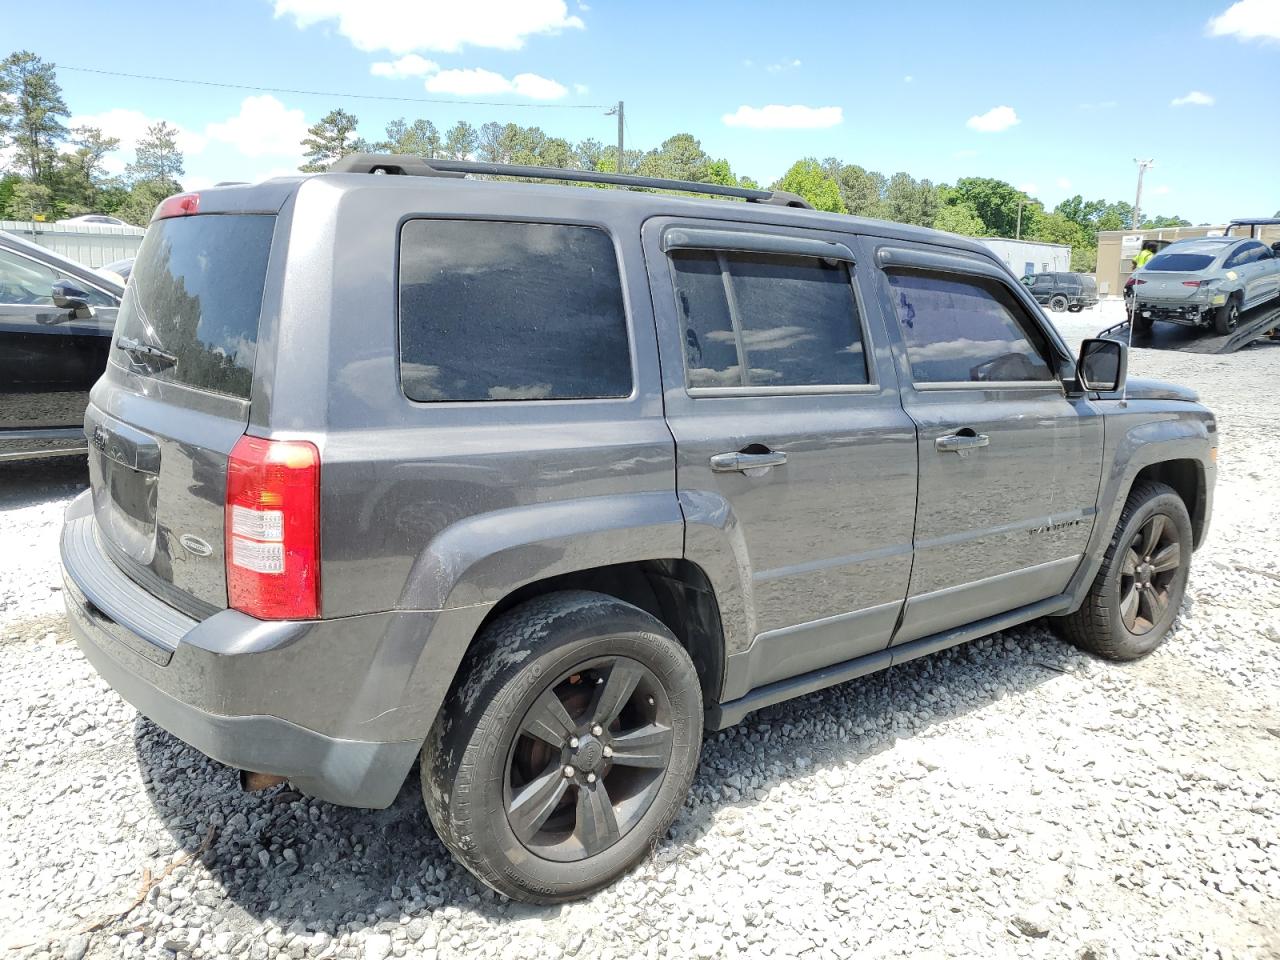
[1179,262]
[196,293]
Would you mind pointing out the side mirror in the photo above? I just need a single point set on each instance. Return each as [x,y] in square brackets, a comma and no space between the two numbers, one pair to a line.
[1103,365]
[68,296]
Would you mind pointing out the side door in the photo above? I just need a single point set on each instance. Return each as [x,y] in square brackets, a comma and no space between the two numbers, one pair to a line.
[49,358]
[1244,264]
[795,462]
[1009,463]
[1268,273]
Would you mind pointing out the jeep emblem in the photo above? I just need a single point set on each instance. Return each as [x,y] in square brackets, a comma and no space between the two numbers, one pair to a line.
[195,546]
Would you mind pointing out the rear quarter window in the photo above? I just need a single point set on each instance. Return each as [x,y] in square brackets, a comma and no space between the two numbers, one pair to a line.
[494,310]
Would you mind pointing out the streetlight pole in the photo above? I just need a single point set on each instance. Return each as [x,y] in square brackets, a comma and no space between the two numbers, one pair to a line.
[1143,166]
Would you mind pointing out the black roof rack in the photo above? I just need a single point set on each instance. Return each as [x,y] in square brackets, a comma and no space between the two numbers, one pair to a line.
[403,165]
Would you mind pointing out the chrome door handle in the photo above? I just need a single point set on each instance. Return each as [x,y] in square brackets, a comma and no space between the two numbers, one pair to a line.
[752,464]
[961,443]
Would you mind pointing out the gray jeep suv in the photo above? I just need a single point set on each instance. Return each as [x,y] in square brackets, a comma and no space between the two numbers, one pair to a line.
[539,483]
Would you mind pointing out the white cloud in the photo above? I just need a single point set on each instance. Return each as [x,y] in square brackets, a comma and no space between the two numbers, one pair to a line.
[908,78]
[264,126]
[410,65]
[1029,188]
[130,126]
[1248,20]
[1194,98]
[1063,183]
[994,120]
[402,26]
[782,65]
[777,117]
[581,89]
[1160,190]
[476,82]
[196,182]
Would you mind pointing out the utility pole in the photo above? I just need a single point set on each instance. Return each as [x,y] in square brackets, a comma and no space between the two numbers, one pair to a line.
[1021,204]
[618,112]
[1143,166]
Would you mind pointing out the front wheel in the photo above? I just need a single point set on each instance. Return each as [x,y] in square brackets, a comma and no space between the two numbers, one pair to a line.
[1228,315]
[1140,585]
[566,748]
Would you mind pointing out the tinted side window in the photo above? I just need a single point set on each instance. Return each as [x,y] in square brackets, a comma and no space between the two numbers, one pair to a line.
[24,281]
[965,329]
[510,311]
[761,320]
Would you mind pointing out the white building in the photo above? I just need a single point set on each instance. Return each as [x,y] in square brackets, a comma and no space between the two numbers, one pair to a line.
[93,244]
[1025,257]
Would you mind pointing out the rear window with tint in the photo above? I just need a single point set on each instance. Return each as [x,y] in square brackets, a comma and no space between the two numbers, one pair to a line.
[510,311]
[1179,262]
[196,292]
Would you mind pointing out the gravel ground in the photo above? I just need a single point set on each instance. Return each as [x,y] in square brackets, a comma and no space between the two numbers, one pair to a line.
[1008,798]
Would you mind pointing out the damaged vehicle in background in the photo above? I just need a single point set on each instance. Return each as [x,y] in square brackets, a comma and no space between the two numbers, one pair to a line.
[1205,282]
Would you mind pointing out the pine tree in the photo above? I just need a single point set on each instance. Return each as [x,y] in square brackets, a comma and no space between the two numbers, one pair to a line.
[31,112]
[330,139]
[157,159]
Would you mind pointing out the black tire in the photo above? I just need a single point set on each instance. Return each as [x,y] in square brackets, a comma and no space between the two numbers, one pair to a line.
[1227,317]
[1142,324]
[1058,303]
[484,774]
[1105,624]
[1074,308]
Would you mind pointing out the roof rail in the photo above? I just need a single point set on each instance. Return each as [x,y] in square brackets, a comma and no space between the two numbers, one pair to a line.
[399,164]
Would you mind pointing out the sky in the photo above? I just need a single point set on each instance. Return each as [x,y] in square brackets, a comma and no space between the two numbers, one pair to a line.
[1056,102]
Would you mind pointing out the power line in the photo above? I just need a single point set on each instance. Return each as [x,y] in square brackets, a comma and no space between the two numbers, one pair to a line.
[324,93]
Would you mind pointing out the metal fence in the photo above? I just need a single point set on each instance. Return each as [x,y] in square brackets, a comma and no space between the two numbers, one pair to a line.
[93,244]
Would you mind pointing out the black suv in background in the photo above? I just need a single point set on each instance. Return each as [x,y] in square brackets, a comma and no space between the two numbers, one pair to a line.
[1063,291]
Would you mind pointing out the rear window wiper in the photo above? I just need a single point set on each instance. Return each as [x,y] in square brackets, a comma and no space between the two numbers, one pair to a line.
[136,348]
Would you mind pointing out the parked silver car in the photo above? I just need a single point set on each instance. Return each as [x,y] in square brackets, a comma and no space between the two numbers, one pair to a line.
[1206,282]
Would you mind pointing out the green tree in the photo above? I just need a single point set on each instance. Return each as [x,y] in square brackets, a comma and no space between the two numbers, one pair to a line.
[1153,223]
[680,157]
[862,191]
[80,177]
[141,201]
[808,179]
[960,218]
[31,120]
[28,201]
[157,158]
[910,201]
[420,138]
[996,202]
[1115,216]
[587,154]
[330,138]
[718,171]
[460,141]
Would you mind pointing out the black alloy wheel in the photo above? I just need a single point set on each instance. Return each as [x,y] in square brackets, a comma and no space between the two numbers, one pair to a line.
[1147,573]
[588,760]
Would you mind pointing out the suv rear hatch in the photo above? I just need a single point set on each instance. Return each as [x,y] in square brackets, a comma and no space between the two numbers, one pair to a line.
[174,401]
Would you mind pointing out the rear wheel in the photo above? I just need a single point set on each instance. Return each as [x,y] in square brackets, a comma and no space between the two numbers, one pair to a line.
[1142,324]
[566,748]
[1139,587]
[1058,303]
[1227,317]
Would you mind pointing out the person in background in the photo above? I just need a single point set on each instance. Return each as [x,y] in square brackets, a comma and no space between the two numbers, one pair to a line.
[1146,253]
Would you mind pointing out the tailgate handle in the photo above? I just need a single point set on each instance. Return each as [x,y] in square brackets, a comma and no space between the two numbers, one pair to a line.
[749,462]
[962,441]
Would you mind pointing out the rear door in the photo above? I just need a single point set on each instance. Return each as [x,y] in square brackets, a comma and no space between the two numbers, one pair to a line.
[795,462]
[1009,465]
[49,358]
[175,400]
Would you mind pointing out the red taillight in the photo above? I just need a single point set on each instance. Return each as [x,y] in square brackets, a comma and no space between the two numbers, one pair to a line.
[179,205]
[273,528]
[1191,283]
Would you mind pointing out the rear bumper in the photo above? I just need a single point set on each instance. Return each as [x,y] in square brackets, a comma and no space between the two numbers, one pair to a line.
[340,707]
[1190,314]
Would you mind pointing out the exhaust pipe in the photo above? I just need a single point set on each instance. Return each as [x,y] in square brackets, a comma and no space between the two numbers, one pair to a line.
[251,782]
